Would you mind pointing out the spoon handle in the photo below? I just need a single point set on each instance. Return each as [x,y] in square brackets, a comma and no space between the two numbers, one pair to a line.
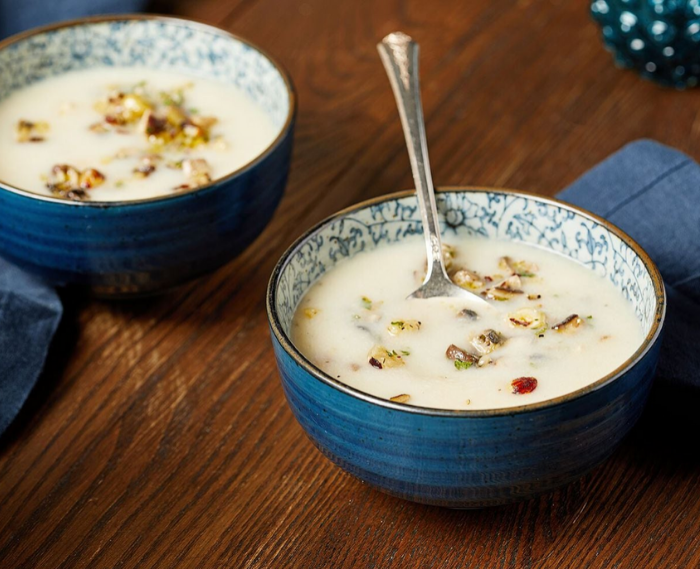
[399,54]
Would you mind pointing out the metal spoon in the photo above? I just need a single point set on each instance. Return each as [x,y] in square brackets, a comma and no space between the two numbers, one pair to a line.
[399,55]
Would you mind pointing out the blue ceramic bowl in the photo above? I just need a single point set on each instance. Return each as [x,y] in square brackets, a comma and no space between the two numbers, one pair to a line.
[468,459]
[145,246]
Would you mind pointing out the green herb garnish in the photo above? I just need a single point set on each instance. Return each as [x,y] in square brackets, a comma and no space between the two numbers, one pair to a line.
[367,303]
[172,100]
[463,365]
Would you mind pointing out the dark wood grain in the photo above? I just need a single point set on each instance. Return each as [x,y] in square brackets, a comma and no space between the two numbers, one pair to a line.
[159,436]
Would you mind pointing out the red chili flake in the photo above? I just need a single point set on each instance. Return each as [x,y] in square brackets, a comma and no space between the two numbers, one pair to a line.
[524,385]
[488,279]
[519,322]
[374,362]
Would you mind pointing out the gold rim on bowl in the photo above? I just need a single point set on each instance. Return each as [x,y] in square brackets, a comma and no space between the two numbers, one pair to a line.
[650,339]
[185,22]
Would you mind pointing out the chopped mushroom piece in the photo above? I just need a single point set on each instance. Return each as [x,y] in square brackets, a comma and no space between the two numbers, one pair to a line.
[398,326]
[456,353]
[91,178]
[467,279]
[147,166]
[512,283]
[569,324]
[500,293]
[68,182]
[27,131]
[63,178]
[468,314]
[528,318]
[403,398]
[193,135]
[380,358]
[520,268]
[197,171]
[175,115]
[156,129]
[121,109]
[488,341]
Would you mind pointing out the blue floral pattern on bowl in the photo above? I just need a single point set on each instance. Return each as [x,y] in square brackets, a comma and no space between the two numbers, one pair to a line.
[490,214]
[169,45]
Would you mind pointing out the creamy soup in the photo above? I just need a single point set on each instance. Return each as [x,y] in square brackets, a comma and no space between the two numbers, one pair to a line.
[127,133]
[553,326]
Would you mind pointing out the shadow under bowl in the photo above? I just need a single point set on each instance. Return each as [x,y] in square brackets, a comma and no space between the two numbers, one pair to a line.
[140,247]
[468,459]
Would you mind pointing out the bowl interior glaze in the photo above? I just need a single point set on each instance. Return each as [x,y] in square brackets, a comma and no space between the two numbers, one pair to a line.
[484,213]
[155,42]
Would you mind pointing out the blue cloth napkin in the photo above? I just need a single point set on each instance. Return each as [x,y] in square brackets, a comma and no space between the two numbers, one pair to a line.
[29,314]
[20,15]
[652,192]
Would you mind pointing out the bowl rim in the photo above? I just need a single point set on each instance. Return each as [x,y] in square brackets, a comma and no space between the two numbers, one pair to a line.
[184,22]
[650,339]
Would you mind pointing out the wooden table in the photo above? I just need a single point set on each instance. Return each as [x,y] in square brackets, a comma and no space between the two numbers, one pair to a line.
[159,435]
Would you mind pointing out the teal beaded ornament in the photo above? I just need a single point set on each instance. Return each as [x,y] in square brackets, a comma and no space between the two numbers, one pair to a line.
[658,38]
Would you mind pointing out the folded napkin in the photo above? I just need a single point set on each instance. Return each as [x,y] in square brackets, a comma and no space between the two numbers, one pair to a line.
[29,314]
[652,192]
[19,15]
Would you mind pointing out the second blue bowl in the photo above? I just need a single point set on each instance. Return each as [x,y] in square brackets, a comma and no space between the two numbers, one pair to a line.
[147,246]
